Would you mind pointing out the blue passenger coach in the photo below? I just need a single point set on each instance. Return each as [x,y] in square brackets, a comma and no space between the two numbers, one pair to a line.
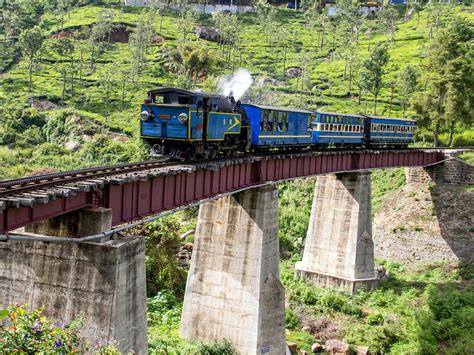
[390,131]
[338,129]
[275,126]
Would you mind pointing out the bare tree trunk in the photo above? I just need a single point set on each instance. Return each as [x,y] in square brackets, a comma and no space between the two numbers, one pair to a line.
[80,69]
[451,133]
[322,39]
[365,103]
[30,83]
[64,85]
[123,92]
[375,105]
[350,76]
[436,134]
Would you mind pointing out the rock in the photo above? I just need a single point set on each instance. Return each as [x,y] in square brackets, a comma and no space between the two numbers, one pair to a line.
[306,329]
[380,273]
[86,138]
[294,72]
[293,347]
[42,104]
[61,35]
[157,39]
[208,33]
[120,138]
[72,145]
[334,346]
[362,350]
[317,348]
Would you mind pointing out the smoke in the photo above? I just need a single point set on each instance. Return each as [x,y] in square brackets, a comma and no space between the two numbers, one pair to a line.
[236,84]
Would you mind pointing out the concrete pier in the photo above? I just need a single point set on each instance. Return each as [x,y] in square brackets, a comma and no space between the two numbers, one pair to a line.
[104,282]
[339,251]
[233,289]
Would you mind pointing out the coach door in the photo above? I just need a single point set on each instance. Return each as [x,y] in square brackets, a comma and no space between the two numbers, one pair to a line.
[206,107]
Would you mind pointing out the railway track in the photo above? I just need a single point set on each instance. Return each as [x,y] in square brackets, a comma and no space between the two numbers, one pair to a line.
[38,182]
[41,188]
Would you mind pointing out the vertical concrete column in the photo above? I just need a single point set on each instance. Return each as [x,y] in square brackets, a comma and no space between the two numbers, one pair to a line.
[233,289]
[104,282]
[339,251]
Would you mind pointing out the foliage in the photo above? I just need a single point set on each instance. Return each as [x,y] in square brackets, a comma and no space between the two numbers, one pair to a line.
[371,77]
[31,332]
[295,199]
[162,244]
[449,81]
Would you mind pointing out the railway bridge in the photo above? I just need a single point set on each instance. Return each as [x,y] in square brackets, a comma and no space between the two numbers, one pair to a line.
[63,246]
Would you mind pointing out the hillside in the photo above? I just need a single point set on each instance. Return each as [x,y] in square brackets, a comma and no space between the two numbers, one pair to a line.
[93,71]
[95,79]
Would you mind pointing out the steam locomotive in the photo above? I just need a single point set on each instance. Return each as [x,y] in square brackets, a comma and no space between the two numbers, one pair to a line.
[186,124]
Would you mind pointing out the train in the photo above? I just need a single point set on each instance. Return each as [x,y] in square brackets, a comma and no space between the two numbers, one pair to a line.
[191,124]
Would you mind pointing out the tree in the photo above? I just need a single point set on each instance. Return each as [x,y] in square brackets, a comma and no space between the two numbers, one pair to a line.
[448,80]
[139,42]
[187,21]
[373,71]
[387,20]
[107,83]
[266,17]
[65,48]
[31,41]
[407,81]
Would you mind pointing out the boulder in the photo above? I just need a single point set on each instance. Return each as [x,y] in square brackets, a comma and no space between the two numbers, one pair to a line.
[72,145]
[294,72]
[380,273]
[306,329]
[317,348]
[337,347]
[42,104]
[293,347]
[208,33]
[362,350]
[86,138]
[157,39]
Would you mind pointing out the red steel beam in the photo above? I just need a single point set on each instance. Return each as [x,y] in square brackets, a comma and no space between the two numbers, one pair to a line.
[134,200]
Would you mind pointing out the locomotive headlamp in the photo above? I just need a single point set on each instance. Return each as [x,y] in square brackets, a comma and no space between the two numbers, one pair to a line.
[183,118]
[145,115]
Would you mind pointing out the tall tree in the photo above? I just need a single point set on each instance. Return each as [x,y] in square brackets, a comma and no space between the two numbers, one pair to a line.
[448,79]
[387,20]
[407,81]
[31,41]
[373,71]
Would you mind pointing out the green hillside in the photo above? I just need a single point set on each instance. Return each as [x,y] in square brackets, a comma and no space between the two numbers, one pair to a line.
[95,81]
[94,67]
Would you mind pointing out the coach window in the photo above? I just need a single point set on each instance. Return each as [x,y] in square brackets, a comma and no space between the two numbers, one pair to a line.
[280,121]
[265,120]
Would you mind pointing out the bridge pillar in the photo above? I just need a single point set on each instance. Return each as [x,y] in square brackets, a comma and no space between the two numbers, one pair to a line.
[233,289]
[104,281]
[339,251]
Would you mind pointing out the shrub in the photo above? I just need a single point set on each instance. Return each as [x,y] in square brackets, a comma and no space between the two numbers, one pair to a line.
[217,348]
[465,139]
[291,319]
[31,332]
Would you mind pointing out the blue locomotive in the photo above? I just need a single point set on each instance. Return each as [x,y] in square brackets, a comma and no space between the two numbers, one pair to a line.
[187,124]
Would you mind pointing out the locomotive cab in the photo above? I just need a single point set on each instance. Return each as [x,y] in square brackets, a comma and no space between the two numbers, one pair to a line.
[186,124]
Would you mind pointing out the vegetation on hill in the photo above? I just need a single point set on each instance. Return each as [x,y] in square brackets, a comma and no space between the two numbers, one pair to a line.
[89,63]
[73,75]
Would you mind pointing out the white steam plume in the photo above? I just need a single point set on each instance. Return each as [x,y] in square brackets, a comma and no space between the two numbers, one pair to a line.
[236,84]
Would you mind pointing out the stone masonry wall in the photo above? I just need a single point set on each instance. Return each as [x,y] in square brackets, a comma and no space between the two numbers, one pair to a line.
[104,282]
[453,171]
